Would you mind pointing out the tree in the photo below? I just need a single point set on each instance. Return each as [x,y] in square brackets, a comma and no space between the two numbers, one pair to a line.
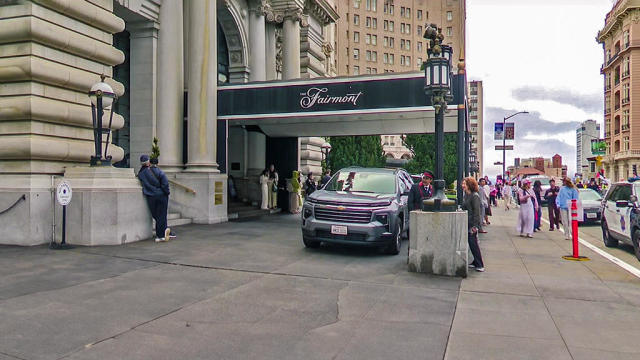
[423,147]
[365,151]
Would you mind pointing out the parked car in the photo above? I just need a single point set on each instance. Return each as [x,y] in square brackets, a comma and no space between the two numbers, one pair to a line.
[621,216]
[359,206]
[544,182]
[591,205]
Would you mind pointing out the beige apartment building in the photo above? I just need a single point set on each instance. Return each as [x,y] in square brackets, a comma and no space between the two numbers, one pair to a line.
[381,36]
[476,123]
[620,38]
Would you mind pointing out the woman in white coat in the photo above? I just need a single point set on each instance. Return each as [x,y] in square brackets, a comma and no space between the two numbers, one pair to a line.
[264,187]
[528,207]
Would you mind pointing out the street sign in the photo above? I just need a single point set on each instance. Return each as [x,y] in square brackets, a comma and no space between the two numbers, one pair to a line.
[509,131]
[598,147]
[63,193]
[507,147]
[499,131]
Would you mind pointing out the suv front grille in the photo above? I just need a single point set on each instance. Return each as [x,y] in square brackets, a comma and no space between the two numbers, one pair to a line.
[343,216]
[323,234]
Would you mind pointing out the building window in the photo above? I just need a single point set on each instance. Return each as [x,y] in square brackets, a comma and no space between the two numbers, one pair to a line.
[356,36]
[374,23]
[625,67]
[408,61]
[356,19]
[367,22]
[368,2]
[391,42]
[391,59]
[367,39]
[402,43]
[402,28]
[408,45]
[419,46]
[402,11]
[385,41]
[385,58]
[356,4]
[419,14]
[390,25]
[419,61]
[391,9]
[356,70]
[374,39]
[625,143]
[356,54]
[449,31]
[449,16]
[374,70]
[368,55]
[408,28]
[385,25]
[626,38]
[419,30]
[402,60]
[409,12]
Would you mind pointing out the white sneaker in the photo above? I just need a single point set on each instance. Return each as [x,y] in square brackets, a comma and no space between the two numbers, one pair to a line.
[167,234]
[480,269]
[471,266]
[159,240]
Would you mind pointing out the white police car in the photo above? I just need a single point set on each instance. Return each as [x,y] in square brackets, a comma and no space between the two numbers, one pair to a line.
[621,216]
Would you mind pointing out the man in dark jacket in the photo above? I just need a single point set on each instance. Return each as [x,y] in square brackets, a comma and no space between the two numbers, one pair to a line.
[554,213]
[421,191]
[325,178]
[155,187]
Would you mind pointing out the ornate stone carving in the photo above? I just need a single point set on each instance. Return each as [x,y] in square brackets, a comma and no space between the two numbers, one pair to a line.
[327,49]
[279,49]
[297,15]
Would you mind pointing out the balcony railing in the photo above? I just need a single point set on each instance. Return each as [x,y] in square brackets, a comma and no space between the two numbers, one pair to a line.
[626,74]
[625,127]
[617,107]
[626,154]
[617,132]
[625,101]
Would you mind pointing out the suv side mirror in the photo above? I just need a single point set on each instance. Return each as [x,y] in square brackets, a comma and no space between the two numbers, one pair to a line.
[623,203]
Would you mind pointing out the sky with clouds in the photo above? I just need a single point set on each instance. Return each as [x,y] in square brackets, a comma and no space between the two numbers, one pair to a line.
[540,56]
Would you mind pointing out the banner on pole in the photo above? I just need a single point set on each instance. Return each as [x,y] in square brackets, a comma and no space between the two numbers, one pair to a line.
[510,131]
[499,131]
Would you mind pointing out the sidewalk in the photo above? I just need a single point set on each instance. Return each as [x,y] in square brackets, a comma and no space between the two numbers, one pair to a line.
[250,290]
[532,304]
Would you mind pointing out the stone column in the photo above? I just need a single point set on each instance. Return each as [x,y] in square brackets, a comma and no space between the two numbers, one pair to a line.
[203,77]
[270,51]
[144,48]
[170,85]
[257,41]
[291,44]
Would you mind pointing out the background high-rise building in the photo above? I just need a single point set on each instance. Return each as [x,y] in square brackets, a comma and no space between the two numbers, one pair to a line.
[619,36]
[476,121]
[587,131]
[382,36]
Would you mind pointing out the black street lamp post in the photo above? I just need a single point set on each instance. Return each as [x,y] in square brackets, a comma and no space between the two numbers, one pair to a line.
[437,70]
[102,96]
[504,143]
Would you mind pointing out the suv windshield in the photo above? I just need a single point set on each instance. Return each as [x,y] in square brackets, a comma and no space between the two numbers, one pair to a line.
[588,194]
[367,182]
[544,181]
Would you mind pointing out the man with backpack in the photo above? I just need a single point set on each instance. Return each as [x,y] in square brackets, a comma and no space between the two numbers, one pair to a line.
[155,187]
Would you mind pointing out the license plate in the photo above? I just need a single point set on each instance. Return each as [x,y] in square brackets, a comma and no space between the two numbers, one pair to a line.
[592,215]
[338,230]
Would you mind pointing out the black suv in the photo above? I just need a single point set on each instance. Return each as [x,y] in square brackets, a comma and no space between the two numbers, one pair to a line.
[359,206]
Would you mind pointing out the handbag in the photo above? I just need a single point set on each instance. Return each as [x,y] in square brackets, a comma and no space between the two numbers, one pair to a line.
[274,187]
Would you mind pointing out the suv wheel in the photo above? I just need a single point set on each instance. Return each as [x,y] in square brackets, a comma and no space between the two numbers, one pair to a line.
[636,243]
[396,243]
[606,236]
[310,243]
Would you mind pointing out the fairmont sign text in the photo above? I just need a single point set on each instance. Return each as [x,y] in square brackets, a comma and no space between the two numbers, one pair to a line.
[318,96]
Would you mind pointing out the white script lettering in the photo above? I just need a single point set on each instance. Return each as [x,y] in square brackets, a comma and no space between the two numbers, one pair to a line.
[315,96]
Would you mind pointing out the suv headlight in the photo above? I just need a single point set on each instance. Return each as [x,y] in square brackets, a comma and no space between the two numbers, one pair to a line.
[382,218]
[307,212]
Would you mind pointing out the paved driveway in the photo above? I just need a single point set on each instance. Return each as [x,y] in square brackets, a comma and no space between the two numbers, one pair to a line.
[245,290]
